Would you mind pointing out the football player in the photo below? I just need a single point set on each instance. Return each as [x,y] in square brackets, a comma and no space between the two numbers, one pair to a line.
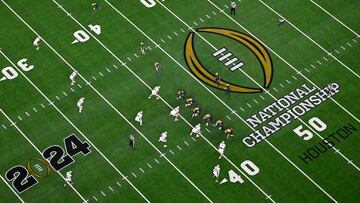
[208,119]
[132,142]
[142,48]
[219,124]
[227,89]
[36,42]
[330,90]
[95,6]
[216,173]
[189,102]
[181,94]
[281,21]
[80,104]
[157,66]
[217,79]
[229,132]
[196,111]
[232,8]
[139,117]
[175,113]
[221,149]
[68,178]
[72,77]
[155,92]
[163,138]
[196,130]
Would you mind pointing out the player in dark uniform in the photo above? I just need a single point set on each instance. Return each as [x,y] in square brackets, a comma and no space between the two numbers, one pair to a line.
[132,141]
[227,89]
[196,111]
[208,119]
[217,78]
[190,102]
[181,94]
[95,6]
[219,124]
[232,8]
[229,132]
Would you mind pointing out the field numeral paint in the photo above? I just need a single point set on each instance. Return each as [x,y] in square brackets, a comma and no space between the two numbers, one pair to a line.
[248,166]
[56,157]
[10,73]
[149,3]
[82,36]
[314,122]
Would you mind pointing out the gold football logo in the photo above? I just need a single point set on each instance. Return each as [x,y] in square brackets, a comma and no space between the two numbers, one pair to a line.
[209,78]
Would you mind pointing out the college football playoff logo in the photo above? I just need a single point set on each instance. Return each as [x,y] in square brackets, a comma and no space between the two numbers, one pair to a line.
[209,78]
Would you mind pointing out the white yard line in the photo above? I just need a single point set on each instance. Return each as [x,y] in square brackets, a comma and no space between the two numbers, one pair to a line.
[343,24]
[52,104]
[37,149]
[16,194]
[309,38]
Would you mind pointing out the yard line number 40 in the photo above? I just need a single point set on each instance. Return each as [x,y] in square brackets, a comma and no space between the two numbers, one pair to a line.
[82,36]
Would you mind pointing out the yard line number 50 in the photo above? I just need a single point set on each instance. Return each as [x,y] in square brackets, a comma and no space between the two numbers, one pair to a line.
[315,123]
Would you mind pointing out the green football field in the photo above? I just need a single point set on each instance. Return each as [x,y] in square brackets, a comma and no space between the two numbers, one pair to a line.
[292,67]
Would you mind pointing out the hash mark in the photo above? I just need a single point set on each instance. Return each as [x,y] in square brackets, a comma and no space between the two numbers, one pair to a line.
[93,77]
[262,97]
[193,139]
[103,193]
[148,165]
[186,143]
[27,114]
[348,44]
[79,86]
[208,16]
[201,20]
[171,152]
[248,105]
[4,126]
[242,109]
[178,147]
[355,40]
[162,40]
[294,77]
[195,23]
[182,30]
[95,198]
[343,48]
[207,130]
[133,174]
[118,184]
[42,105]
[128,59]
[157,161]
[169,37]
[57,98]
[108,70]
[313,66]
[337,51]
[318,62]
[325,58]
[19,118]
[64,93]
[72,89]
[176,33]
[228,117]
[307,70]
[275,89]
[288,81]
[112,190]
[122,64]
[141,170]
[255,101]
[100,73]
[214,13]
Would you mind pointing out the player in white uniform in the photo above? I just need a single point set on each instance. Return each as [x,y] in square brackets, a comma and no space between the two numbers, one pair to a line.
[155,92]
[73,77]
[163,137]
[221,149]
[175,113]
[139,117]
[68,178]
[196,130]
[80,104]
[36,43]
[216,173]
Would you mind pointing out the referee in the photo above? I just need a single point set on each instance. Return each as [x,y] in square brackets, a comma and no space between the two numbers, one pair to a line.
[232,7]
[132,141]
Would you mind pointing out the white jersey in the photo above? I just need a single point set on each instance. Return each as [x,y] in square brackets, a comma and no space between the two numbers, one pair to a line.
[163,137]
[156,90]
[222,146]
[175,111]
[73,75]
[37,41]
[81,101]
[68,176]
[196,129]
[139,116]
[216,171]
[233,5]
